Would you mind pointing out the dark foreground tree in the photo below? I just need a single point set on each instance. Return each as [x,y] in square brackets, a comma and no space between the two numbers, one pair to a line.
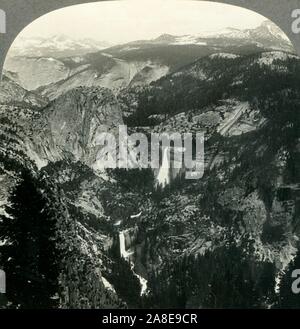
[29,255]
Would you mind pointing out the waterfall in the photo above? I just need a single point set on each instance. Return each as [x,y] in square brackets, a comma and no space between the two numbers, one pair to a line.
[125,255]
[163,177]
[123,251]
[143,282]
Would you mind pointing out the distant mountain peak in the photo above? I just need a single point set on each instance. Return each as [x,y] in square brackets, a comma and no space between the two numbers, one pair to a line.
[272,29]
[58,45]
[165,37]
[267,34]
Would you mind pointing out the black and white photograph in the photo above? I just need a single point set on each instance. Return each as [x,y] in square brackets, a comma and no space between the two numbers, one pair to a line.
[150,159]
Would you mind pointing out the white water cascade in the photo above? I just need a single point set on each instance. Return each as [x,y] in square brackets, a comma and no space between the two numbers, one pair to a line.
[163,177]
[123,250]
[125,254]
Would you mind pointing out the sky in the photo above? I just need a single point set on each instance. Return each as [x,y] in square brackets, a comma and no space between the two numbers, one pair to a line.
[128,20]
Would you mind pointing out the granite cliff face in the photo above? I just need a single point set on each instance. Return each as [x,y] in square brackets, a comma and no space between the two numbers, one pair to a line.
[69,127]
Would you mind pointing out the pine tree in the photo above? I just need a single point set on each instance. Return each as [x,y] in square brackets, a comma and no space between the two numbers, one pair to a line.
[29,256]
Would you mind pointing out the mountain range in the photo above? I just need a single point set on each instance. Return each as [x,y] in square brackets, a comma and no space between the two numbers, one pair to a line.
[134,63]
[55,46]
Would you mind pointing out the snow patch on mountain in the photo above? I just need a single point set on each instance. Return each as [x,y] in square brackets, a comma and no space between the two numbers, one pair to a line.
[224,55]
[188,40]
